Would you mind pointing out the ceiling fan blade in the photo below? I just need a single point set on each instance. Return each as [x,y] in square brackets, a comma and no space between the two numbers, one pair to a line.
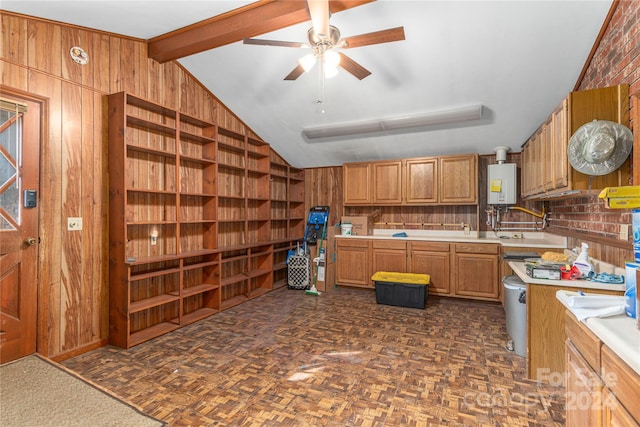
[295,73]
[353,67]
[263,42]
[319,13]
[377,37]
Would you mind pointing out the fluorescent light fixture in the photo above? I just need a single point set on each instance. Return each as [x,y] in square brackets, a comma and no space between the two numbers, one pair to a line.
[441,117]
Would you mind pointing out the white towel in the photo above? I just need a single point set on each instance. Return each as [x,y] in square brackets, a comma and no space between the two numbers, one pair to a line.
[596,301]
[584,313]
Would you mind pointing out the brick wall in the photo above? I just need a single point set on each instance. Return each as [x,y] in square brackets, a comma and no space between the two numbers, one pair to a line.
[616,60]
[617,57]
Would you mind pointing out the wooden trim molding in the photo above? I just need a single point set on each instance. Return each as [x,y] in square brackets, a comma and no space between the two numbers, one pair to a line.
[635,125]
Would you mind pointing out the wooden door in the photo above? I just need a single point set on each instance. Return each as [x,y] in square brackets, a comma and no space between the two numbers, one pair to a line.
[584,391]
[458,179]
[525,171]
[19,161]
[357,183]
[476,271]
[352,263]
[433,259]
[387,183]
[477,276]
[560,143]
[389,256]
[421,180]
[550,158]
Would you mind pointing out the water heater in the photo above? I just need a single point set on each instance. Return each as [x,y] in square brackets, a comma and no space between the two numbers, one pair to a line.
[502,180]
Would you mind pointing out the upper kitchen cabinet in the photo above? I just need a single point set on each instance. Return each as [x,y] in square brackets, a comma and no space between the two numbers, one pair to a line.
[546,171]
[458,179]
[357,183]
[387,182]
[421,180]
[450,180]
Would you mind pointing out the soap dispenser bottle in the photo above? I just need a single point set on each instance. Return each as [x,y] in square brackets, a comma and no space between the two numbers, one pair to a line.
[582,262]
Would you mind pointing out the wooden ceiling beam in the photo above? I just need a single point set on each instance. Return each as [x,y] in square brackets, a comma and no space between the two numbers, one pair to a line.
[251,20]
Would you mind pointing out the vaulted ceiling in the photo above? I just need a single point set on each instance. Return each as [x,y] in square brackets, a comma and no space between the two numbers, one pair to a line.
[517,59]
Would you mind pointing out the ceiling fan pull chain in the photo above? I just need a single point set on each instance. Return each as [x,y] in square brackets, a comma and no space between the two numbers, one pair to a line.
[321,79]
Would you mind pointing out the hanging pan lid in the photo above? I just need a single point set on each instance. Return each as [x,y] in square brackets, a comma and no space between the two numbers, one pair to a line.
[599,147]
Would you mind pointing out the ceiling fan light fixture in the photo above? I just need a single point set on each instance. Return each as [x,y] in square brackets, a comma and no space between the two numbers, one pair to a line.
[331,59]
[307,62]
[330,72]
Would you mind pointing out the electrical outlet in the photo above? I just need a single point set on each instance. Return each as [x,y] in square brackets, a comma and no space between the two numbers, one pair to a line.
[624,231]
[74,223]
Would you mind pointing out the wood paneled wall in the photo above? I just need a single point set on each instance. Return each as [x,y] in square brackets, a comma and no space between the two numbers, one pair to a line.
[323,187]
[73,270]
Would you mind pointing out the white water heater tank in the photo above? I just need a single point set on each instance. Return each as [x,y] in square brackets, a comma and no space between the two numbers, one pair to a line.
[502,183]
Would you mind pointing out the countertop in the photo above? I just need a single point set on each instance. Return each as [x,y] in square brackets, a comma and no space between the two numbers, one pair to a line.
[619,333]
[529,240]
[520,269]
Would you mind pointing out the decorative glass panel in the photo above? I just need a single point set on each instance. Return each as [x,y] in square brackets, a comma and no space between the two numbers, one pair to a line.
[9,179]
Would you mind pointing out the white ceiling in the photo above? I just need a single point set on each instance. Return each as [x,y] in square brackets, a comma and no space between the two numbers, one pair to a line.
[516,58]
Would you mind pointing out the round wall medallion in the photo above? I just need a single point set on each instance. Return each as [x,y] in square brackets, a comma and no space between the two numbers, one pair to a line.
[79,55]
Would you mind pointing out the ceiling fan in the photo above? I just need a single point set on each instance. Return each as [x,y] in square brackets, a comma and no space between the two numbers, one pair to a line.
[324,38]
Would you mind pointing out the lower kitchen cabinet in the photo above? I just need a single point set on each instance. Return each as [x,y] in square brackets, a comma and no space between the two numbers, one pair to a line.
[434,259]
[389,255]
[583,392]
[476,271]
[352,265]
[601,389]
[455,269]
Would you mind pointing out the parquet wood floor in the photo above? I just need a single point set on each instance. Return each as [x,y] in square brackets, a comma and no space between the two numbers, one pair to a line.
[338,359]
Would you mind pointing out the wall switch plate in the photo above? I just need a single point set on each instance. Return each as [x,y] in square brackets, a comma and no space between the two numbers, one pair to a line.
[74,223]
[624,231]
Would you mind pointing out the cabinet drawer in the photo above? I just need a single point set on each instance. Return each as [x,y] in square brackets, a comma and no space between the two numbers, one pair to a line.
[390,244]
[476,248]
[352,243]
[430,246]
[584,340]
[623,381]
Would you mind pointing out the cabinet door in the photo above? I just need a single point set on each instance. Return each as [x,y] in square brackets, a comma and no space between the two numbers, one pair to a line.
[559,134]
[525,171]
[352,263]
[549,156]
[538,162]
[614,414]
[389,256]
[583,392]
[357,183]
[421,180]
[434,261]
[387,182]
[458,179]
[476,274]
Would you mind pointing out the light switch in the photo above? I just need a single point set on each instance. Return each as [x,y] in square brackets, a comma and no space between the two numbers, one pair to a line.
[624,231]
[74,223]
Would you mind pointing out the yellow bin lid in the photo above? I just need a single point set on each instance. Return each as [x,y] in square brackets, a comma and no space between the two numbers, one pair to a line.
[410,278]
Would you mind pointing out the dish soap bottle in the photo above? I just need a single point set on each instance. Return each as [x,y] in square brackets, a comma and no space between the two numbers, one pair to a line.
[582,262]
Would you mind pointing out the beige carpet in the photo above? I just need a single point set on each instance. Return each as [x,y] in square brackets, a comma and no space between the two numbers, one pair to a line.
[37,392]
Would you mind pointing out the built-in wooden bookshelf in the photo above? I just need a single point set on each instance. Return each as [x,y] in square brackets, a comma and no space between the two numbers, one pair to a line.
[287,214]
[191,219]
